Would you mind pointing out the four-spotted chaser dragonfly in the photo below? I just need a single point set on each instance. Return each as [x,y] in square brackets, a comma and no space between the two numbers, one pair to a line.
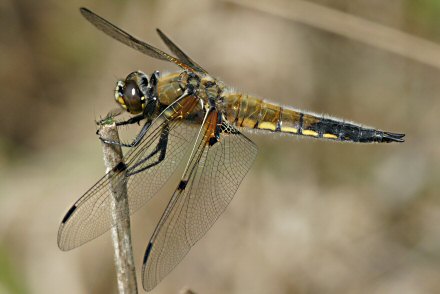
[188,112]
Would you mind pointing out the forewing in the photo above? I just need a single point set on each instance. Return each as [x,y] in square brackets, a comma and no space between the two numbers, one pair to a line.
[127,39]
[90,216]
[215,173]
[179,53]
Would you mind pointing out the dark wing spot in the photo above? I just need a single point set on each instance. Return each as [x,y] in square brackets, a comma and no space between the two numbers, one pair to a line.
[147,253]
[212,141]
[120,167]
[182,185]
[68,214]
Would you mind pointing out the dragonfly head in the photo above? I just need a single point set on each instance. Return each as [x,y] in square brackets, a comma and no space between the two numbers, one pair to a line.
[135,92]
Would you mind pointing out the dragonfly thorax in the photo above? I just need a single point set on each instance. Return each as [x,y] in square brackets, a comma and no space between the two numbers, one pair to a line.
[204,87]
[136,92]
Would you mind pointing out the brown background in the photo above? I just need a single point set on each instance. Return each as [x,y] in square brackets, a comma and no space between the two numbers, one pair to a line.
[311,216]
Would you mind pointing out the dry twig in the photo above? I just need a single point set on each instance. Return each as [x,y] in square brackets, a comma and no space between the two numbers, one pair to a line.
[121,236]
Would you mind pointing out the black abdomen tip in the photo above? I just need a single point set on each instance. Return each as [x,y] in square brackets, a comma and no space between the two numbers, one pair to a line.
[388,137]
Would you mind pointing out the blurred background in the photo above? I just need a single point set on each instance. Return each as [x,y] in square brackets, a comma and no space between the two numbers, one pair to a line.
[310,217]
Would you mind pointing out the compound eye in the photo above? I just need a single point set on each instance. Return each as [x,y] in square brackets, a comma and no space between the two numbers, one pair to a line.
[133,97]
[132,91]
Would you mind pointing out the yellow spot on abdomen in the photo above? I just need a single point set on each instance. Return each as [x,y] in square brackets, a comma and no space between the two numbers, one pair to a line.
[289,130]
[330,136]
[267,126]
[309,133]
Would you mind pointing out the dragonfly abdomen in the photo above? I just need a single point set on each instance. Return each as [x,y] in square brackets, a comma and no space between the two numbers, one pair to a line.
[250,112]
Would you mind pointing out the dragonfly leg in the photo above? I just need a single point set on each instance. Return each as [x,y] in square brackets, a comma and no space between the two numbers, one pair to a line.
[132,120]
[161,148]
[114,113]
[138,138]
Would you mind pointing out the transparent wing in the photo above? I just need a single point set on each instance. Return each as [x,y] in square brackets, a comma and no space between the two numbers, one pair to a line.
[212,178]
[179,53]
[127,39]
[145,174]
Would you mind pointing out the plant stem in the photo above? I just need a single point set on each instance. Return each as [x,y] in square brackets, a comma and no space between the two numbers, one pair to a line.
[121,235]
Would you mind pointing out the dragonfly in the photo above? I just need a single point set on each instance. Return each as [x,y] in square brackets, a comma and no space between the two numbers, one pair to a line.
[190,113]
